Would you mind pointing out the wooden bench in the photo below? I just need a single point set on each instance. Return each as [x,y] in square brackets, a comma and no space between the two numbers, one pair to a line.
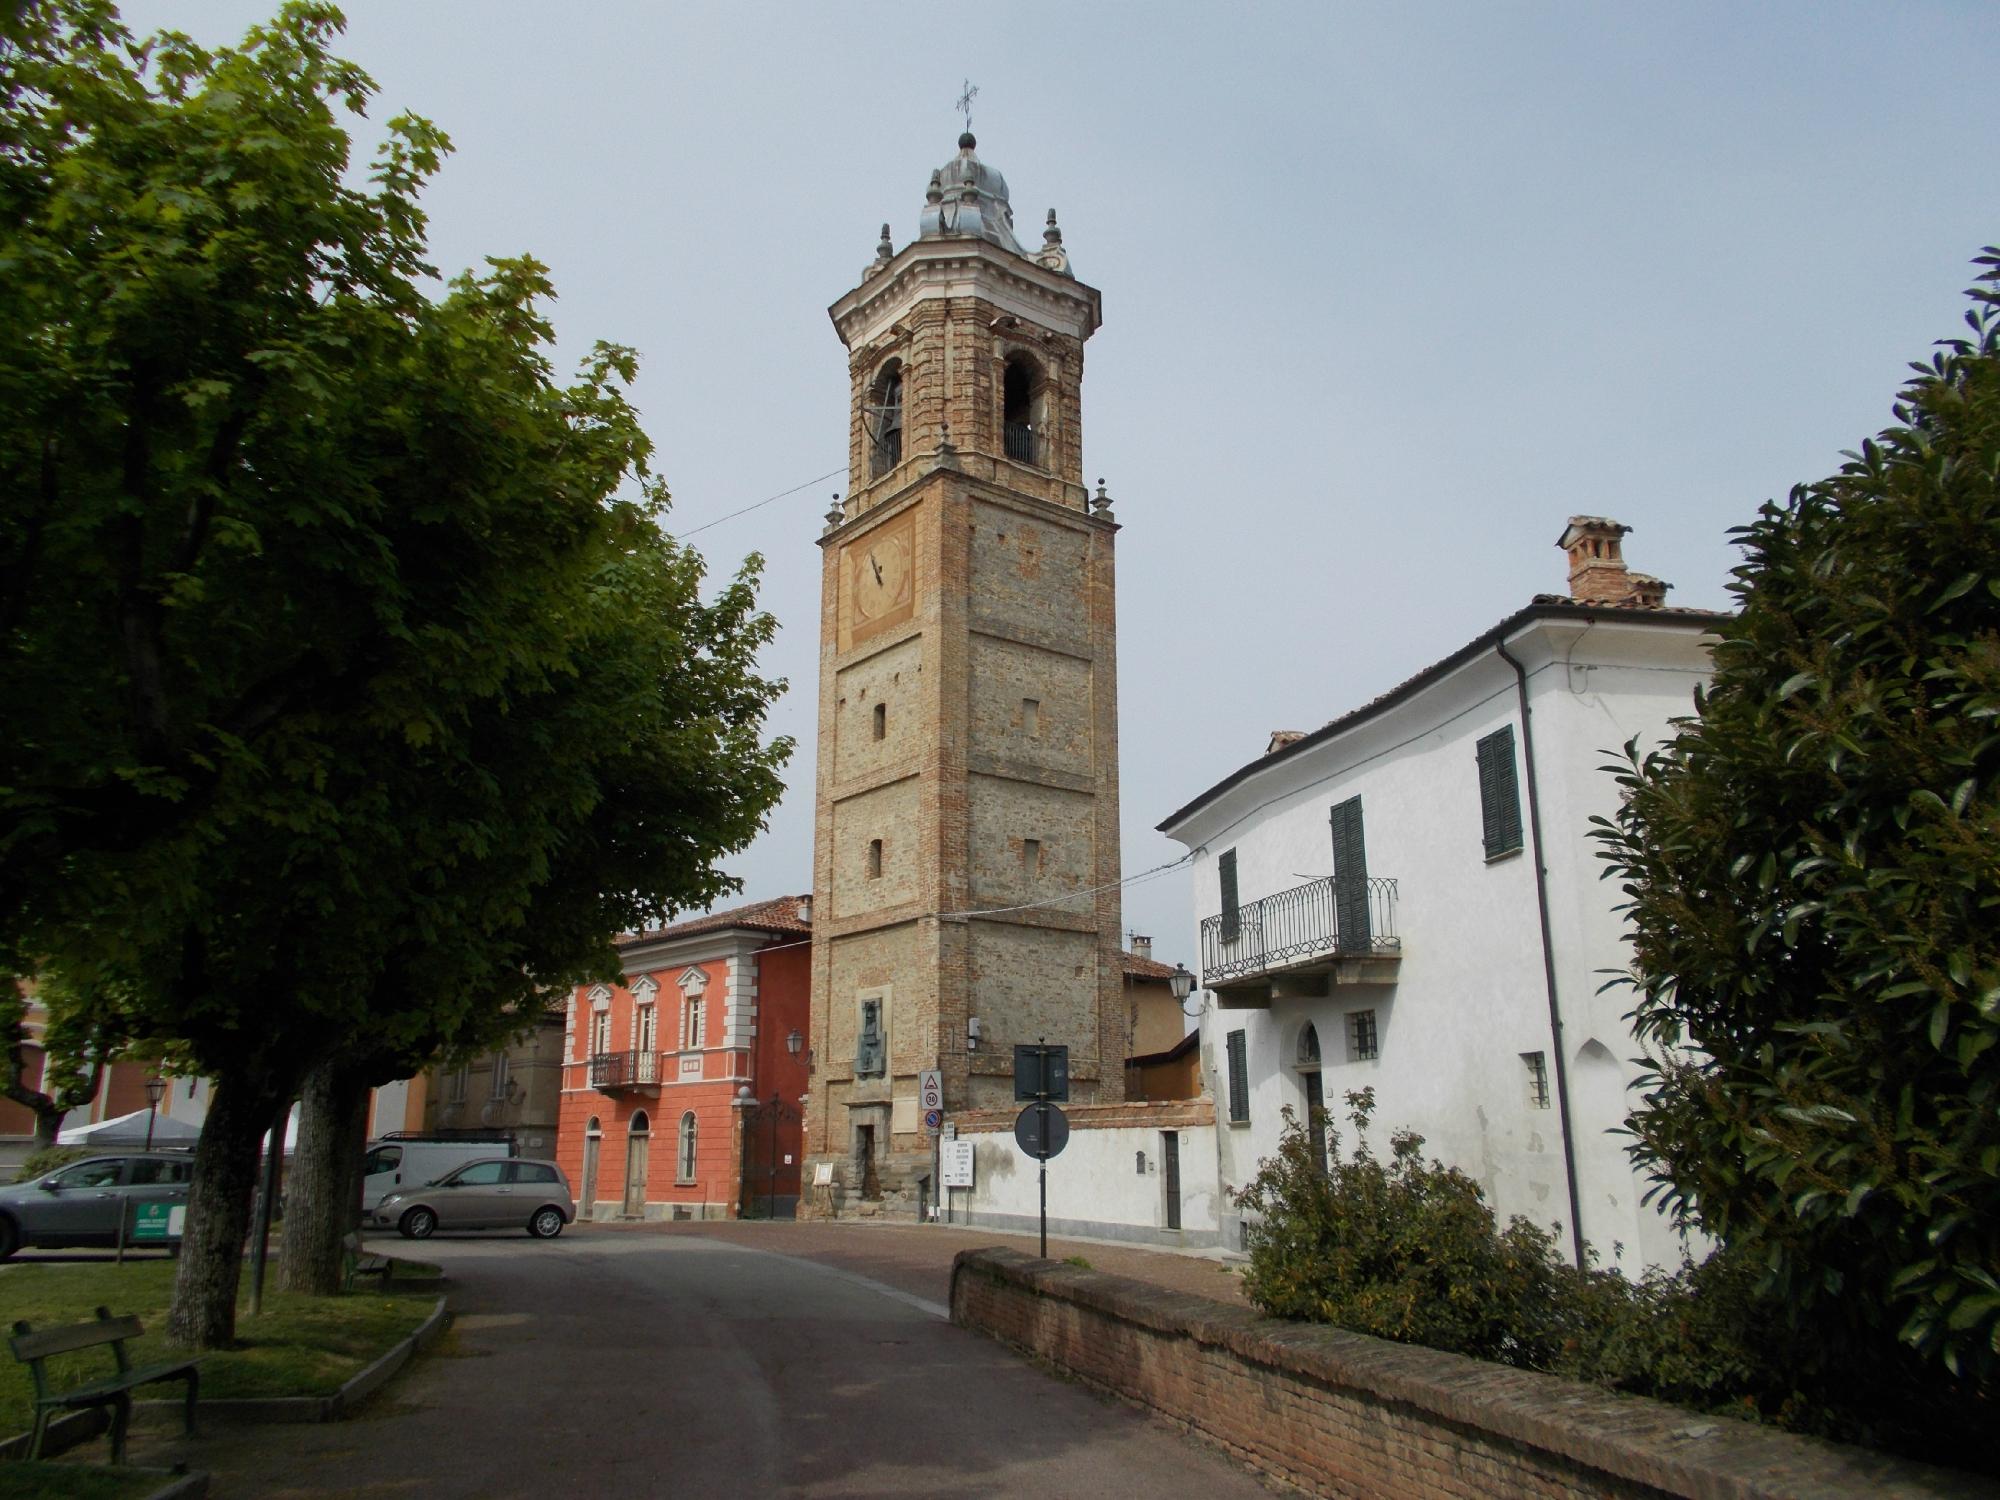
[114,1390]
[363,1262]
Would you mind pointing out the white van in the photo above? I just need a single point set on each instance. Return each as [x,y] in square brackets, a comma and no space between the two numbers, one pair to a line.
[394,1166]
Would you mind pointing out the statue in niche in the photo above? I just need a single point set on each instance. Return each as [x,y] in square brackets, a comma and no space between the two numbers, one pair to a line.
[870,1060]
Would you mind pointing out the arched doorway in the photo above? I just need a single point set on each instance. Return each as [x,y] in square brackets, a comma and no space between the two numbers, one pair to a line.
[1306,1061]
[593,1143]
[638,1140]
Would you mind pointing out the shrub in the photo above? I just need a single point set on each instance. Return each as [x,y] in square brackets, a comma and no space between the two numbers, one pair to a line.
[1407,1249]
[1404,1249]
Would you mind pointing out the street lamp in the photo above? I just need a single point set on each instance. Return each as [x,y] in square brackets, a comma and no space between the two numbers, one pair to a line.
[155,1087]
[1181,984]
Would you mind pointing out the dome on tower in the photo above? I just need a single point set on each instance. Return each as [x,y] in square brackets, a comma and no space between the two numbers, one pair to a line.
[967,197]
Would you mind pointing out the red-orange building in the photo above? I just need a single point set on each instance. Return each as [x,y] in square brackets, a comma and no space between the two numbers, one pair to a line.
[682,1086]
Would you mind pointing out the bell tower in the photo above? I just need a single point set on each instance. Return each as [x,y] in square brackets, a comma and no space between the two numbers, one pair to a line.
[966,865]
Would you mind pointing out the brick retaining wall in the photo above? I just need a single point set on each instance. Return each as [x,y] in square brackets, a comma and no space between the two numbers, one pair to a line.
[1338,1413]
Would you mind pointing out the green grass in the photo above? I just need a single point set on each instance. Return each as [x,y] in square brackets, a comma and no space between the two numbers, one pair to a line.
[52,1481]
[298,1346]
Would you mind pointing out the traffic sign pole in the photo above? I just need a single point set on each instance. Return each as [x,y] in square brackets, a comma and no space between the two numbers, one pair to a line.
[1042,1109]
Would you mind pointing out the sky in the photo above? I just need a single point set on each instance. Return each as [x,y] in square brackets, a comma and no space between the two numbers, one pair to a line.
[1390,291]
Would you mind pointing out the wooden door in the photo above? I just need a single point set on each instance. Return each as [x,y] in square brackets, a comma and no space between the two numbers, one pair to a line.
[1170,1158]
[635,1176]
[586,1206]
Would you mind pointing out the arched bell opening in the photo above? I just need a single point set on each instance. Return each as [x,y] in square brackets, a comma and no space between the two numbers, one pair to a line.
[885,420]
[1024,413]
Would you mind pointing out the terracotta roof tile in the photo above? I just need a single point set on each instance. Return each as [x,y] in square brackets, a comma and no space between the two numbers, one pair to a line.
[782,915]
[1146,968]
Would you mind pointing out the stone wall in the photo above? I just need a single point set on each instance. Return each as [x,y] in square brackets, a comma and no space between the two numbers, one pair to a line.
[1337,1413]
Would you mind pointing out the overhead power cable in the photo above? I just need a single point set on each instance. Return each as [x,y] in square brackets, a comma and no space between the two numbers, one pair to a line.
[819,479]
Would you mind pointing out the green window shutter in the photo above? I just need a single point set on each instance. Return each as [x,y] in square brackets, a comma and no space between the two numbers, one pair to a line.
[1239,1078]
[1350,879]
[1232,916]
[1499,794]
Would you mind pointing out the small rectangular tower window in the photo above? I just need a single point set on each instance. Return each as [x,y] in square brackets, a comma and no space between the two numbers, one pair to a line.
[1239,1079]
[1361,1038]
[1031,716]
[1537,1065]
[1499,794]
[874,859]
[1031,856]
[881,720]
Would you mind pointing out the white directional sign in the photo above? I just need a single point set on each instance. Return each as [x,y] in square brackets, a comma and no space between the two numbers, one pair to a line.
[930,1089]
[956,1161]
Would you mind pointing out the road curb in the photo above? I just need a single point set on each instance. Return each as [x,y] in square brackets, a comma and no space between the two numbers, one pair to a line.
[276,1410]
[64,1432]
[190,1486]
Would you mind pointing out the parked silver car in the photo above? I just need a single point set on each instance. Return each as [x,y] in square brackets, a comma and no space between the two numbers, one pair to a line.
[499,1192]
[80,1204]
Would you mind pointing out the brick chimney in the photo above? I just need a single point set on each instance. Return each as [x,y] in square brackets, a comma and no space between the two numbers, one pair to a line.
[1142,947]
[1597,571]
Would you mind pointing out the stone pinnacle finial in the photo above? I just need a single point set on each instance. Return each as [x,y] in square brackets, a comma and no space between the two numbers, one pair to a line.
[835,514]
[1100,503]
[885,248]
[1052,254]
[935,192]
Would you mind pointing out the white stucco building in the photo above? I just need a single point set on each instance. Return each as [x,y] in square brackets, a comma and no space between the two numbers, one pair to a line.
[1370,913]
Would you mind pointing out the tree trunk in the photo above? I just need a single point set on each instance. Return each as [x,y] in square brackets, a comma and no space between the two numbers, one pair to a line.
[319,1198]
[218,1217]
[47,1108]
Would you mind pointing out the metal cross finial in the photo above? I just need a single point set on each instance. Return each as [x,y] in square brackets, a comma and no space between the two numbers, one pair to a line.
[964,105]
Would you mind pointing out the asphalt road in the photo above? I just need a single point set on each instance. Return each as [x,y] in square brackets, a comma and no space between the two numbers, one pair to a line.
[635,1364]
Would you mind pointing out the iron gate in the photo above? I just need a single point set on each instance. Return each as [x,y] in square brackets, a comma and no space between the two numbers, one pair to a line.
[768,1184]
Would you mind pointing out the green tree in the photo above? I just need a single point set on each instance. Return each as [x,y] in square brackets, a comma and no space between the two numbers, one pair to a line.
[306,580]
[593,806]
[71,1043]
[1812,870]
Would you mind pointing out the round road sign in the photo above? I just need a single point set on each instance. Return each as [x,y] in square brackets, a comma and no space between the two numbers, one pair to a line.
[1042,1130]
[933,1118]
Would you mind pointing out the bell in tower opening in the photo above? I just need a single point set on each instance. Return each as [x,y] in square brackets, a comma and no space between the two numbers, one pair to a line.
[966,863]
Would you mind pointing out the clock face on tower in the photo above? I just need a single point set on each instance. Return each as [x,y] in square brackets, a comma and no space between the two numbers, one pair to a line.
[878,576]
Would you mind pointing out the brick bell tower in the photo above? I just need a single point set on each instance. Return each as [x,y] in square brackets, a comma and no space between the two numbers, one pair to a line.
[966,859]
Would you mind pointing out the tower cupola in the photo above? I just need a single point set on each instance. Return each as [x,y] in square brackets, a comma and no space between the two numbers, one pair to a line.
[966,349]
[968,199]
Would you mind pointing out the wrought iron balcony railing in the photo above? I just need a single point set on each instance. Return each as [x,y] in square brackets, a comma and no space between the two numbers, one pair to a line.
[1326,918]
[625,1070]
[1024,444]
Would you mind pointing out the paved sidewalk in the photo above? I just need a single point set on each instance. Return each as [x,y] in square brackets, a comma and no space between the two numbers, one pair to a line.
[916,1258]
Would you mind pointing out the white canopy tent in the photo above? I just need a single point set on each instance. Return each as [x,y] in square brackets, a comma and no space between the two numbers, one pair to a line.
[130,1130]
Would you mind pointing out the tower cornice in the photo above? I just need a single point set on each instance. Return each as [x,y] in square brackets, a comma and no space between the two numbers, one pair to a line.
[933,268]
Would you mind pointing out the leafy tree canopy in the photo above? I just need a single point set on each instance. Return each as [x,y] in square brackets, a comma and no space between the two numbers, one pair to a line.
[359,694]
[1812,867]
